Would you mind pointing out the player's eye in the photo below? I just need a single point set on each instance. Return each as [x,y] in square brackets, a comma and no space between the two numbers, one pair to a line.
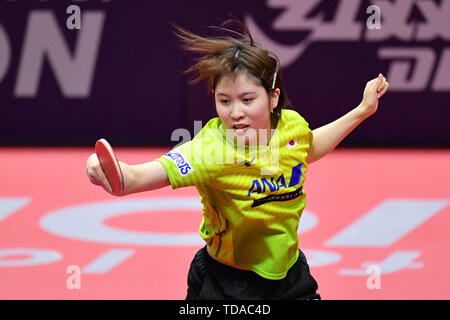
[248,100]
[224,101]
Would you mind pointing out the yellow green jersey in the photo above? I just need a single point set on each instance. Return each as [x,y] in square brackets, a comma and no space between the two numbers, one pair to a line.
[252,196]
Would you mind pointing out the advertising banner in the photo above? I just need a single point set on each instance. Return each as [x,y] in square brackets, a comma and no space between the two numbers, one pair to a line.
[72,72]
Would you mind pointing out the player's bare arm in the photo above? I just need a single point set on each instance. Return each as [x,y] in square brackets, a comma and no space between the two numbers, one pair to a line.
[144,177]
[327,137]
[137,178]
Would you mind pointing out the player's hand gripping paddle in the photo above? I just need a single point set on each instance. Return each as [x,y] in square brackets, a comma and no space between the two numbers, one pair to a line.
[110,166]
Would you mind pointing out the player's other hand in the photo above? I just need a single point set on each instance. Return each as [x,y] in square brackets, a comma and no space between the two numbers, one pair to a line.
[95,173]
[373,91]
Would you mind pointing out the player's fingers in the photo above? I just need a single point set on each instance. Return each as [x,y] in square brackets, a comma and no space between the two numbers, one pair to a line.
[382,84]
[375,83]
[380,94]
[95,172]
[370,87]
[92,165]
[92,160]
[100,175]
[94,176]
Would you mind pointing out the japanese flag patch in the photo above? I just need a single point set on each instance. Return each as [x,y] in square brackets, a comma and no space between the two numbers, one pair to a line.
[291,143]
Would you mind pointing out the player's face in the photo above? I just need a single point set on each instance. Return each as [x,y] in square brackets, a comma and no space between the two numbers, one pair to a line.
[244,108]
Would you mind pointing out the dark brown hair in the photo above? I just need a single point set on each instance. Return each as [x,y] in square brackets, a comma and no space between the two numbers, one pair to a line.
[228,56]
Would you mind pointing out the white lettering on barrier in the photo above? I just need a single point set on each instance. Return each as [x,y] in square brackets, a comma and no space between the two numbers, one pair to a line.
[5,53]
[412,69]
[441,79]
[43,39]
[297,16]
[395,17]
[75,73]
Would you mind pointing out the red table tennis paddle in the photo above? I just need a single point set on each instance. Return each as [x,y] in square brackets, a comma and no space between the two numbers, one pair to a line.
[110,166]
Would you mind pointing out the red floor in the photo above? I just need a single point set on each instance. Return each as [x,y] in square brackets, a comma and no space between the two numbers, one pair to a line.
[375,227]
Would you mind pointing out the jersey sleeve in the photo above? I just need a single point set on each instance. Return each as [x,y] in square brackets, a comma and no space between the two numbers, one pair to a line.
[308,133]
[305,132]
[192,163]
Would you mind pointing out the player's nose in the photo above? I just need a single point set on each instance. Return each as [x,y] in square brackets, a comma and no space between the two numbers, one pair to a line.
[236,112]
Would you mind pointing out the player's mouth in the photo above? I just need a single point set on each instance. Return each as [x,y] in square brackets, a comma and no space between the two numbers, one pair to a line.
[240,128]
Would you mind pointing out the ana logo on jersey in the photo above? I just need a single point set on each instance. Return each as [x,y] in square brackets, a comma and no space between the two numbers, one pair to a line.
[262,185]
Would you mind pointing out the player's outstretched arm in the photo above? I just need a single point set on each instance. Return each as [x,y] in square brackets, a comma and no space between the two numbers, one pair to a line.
[144,177]
[327,137]
[137,178]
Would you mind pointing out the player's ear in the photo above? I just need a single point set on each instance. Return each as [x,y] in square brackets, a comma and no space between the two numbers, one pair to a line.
[274,96]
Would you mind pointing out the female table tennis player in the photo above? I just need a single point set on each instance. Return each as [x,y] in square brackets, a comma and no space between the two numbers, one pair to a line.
[251,207]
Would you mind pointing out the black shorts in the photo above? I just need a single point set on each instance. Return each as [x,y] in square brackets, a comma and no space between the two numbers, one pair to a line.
[209,279]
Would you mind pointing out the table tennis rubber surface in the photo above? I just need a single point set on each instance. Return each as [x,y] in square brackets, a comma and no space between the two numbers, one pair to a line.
[375,227]
[110,166]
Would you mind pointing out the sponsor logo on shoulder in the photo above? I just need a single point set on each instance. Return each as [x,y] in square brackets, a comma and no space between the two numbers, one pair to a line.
[184,167]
